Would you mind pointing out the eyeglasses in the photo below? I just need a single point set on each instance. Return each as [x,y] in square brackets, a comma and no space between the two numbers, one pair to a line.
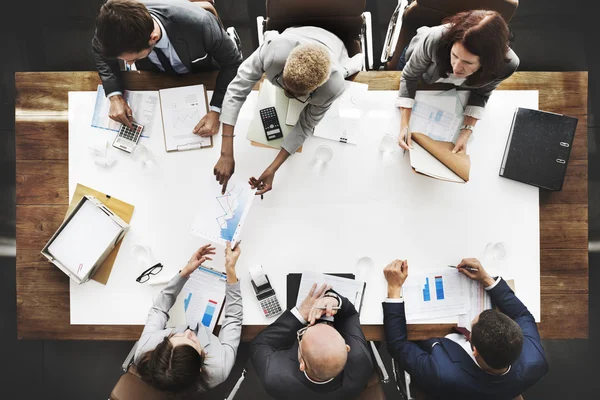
[145,276]
[290,95]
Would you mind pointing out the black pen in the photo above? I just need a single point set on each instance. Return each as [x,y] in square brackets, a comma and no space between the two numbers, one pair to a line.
[470,269]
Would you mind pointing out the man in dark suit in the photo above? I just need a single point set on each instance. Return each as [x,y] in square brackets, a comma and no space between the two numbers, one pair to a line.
[503,358]
[175,37]
[309,354]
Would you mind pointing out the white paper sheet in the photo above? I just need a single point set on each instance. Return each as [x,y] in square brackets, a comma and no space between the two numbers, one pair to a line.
[436,294]
[351,289]
[222,220]
[200,300]
[144,106]
[84,239]
[436,116]
[422,161]
[479,300]
[182,108]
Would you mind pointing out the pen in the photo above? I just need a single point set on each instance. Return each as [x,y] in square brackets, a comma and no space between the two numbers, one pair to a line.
[235,244]
[325,308]
[470,269]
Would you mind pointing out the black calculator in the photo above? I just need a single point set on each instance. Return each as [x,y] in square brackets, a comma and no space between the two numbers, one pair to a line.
[267,298]
[271,123]
[127,138]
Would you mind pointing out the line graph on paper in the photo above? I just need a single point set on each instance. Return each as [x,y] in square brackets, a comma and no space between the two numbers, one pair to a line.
[223,217]
[185,120]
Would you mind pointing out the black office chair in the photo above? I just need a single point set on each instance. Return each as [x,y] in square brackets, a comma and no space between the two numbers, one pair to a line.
[410,15]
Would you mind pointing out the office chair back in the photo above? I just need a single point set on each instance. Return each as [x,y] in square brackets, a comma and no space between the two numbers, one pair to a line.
[341,17]
[431,13]
[132,387]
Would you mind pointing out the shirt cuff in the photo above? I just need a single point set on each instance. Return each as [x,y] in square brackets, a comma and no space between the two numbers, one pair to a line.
[474,111]
[296,313]
[400,300]
[498,279]
[404,102]
[215,109]
[117,93]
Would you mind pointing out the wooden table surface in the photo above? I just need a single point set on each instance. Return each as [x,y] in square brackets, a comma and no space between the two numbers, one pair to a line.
[43,197]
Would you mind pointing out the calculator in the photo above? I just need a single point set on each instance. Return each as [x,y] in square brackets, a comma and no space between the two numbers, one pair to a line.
[267,298]
[270,122]
[127,138]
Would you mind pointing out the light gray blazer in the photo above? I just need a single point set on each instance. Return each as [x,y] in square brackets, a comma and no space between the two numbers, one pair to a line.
[269,59]
[422,63]
[220,351]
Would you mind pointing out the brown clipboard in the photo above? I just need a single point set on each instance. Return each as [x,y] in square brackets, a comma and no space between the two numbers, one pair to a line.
[459,163]
[122,209]
[162,121]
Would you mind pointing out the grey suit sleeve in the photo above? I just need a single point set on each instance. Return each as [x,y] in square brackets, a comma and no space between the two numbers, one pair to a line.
[159,312]
[108,70]
[311,115]
[231,328]
[222,49]
[419,61]
[240,87]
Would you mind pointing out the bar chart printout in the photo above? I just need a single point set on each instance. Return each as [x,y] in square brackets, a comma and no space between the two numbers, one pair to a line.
[209,312]
[436,294]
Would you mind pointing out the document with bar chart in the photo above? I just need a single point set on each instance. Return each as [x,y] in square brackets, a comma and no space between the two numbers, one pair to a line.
[203,297]
[436,294]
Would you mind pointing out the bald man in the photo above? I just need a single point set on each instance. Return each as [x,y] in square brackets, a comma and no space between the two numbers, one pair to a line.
[314,351]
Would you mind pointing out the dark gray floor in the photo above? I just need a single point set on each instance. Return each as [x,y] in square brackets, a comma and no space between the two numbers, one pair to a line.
[44,35]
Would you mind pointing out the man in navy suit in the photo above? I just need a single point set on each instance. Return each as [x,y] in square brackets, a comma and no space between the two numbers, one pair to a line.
[501,359]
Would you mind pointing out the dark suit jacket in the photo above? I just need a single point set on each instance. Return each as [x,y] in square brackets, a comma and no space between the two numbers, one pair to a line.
[443,368]
[274,355]
[198,39]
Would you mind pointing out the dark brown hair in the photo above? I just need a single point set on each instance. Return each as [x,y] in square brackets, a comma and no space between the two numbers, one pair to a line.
[123,26]
[498,339]
[483,33]
[172,369]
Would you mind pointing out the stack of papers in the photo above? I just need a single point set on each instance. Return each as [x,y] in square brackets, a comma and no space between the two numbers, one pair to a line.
[351,289]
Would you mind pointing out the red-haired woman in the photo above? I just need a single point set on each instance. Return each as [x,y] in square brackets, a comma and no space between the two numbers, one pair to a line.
[470,50]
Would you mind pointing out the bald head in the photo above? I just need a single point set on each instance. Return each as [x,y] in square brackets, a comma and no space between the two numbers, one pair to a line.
[324,352]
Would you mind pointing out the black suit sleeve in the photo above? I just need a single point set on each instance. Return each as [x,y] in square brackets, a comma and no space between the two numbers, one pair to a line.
[418,363]
[108,70]
[280,334]
[221,48]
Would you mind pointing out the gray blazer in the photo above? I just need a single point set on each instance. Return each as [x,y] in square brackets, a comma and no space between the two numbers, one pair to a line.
[220,352]
[422,63]
[198,39]
[269,59]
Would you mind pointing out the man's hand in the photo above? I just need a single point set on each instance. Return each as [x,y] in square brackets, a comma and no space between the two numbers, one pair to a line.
[223,170]
[395,275]
[231,257]
[120,111]
[461,141]
[472,268]
[197,259]
[264,183]
[323,306]
[208,125]
[309,302]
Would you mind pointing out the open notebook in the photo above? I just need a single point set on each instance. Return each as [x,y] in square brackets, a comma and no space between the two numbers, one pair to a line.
[434,158]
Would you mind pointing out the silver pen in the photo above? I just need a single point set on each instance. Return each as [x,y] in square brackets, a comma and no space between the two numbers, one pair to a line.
[470,269]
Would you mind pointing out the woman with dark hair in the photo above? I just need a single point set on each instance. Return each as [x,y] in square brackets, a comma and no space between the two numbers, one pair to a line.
[470,50]
[176,360]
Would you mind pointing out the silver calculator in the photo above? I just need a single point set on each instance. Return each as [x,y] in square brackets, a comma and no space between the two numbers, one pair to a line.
[267,298]
[127,138]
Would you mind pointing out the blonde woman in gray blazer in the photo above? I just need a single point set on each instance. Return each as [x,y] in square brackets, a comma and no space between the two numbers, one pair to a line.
[310,65]
[471,50]
[191,358]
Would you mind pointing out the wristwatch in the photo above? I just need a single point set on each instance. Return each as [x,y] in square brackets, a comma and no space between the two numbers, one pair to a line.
[467,127]
[331,293]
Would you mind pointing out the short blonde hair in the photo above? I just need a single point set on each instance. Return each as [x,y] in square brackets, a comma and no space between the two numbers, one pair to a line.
[306,68]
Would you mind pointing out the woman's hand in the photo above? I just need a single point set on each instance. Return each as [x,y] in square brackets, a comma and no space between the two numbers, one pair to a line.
[461,141]
[197,259]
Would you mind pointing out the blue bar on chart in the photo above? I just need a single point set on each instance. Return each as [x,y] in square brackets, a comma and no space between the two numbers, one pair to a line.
[439,288]
[186,301]
[426,293]
[209,312]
